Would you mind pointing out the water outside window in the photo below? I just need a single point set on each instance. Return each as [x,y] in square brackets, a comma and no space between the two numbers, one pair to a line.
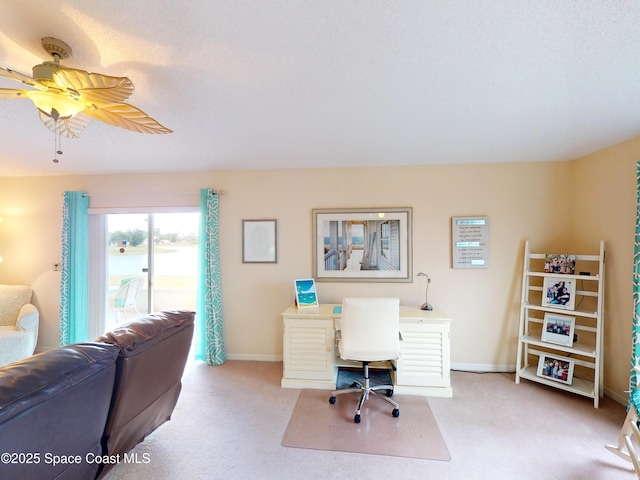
[152,264]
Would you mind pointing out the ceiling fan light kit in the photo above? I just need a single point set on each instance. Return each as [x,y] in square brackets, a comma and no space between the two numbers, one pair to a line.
[67,98]
[55,106]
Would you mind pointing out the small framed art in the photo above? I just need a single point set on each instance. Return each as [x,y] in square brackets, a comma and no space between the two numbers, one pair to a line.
[558,369]
[564,264]
[558,292]
[259,241]
[558,329]
[306,293]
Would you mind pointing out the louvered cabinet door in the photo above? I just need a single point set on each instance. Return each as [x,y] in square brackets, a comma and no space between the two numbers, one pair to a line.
[308,350]
[424,355]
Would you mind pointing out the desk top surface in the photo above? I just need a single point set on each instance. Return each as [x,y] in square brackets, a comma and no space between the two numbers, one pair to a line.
[407,312]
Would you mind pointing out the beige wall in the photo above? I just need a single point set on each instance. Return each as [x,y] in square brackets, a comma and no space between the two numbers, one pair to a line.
[483,303]
[605,209]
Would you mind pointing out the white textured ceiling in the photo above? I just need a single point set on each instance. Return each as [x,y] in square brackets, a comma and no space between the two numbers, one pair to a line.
[291,84]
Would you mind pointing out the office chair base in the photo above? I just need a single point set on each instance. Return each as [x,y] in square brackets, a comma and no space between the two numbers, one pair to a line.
[365,390]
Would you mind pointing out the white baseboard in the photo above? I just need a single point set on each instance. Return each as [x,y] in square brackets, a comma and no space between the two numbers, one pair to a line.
[480,367]
[616,396]
[251,357]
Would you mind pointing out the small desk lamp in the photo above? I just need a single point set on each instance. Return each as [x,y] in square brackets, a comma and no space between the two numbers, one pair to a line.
[425,305]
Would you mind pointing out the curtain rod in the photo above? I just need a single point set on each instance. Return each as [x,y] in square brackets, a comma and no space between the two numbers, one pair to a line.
[217,192]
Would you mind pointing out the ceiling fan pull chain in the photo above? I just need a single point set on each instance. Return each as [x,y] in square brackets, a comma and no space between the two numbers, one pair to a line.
[56,142]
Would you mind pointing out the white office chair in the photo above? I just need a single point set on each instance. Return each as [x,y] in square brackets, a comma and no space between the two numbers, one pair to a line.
[370,332]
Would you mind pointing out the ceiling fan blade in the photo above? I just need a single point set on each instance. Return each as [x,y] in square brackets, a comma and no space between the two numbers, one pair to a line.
[12,93]
[67,127]
[21,77]
[94,87]
[126,116]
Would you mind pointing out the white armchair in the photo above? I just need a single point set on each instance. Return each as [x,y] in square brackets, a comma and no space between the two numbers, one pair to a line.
[19,320]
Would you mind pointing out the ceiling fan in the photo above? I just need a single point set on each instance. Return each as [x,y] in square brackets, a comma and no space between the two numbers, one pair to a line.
[67,98]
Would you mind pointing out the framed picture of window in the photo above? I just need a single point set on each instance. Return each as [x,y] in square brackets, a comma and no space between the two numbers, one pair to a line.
[362,244]
[558,292]
[558,329]
[556,368]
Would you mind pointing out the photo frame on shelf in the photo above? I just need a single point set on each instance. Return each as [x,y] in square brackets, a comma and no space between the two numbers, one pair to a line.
[558,329]
[362,244]
[556,368]
[306,295]
[562,264]
[558,292]
[260,241]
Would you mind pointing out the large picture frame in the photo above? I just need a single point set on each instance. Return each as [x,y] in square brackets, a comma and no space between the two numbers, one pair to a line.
[362,244]
[260,241]
[556,368]
[558,329]
[558,292]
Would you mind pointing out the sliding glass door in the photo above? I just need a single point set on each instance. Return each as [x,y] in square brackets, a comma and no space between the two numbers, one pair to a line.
[128,258]
[149,263]
[175,261]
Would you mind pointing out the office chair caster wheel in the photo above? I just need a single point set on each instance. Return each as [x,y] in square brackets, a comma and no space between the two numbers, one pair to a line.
[390,392]
[356,419]
[332,400]
[396,412]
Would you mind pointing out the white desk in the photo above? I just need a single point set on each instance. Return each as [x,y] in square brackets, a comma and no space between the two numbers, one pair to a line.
[311,361]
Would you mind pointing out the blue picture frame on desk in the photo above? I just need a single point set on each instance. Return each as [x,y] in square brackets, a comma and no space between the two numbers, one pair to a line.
[306,295]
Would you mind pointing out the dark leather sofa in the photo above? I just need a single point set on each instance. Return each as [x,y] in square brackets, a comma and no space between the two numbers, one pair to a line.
[74,412]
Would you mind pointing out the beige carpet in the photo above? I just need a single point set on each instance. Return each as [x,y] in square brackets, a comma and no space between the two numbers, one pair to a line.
[317,424]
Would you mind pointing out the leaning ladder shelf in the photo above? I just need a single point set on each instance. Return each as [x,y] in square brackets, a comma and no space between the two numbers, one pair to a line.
[587,348]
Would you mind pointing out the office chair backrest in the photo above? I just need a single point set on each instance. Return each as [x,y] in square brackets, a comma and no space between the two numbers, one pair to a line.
[370,329]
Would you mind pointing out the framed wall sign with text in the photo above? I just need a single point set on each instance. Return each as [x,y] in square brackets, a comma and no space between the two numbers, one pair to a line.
[470,242]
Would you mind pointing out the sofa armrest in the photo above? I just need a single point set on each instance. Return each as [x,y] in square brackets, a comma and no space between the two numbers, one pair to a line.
[28,317]
[56,403]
